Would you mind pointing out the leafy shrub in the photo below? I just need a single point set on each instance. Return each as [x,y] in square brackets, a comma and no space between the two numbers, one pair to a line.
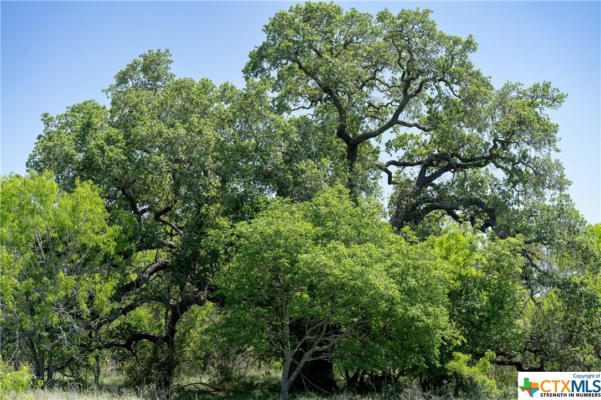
[13,380]
[472,378]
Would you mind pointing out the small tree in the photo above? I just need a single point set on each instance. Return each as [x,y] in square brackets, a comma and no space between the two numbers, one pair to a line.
[12,380]
[54,254]
[310,276]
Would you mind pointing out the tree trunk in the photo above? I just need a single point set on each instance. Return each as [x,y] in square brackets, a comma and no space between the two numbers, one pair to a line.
[97,371]
[40,367]
[38,359]
[169,363]
[175,313]
[97,361]
[50,369]
[316,376]
[286,351]
[285,376]
[351,159]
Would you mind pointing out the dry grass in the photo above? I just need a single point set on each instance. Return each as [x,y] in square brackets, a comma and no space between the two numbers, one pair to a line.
[256,385]
[73,395]
[58,394]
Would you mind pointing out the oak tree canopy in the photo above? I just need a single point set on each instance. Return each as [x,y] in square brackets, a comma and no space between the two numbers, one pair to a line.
[189,225]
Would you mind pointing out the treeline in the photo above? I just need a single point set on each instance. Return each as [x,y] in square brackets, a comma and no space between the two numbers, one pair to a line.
[192,227]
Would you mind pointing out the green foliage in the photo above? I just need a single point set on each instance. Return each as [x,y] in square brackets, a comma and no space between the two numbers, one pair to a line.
[565,326]
[55,249]
[477,375]
[177,161]
[561,325]
[595,231]
[311,51]
[459,146]
[190,226]
[149,72]
[331,274]
[14,381]
[204,349]
[486,294]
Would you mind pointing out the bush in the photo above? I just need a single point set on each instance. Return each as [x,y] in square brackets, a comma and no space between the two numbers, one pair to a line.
[12,380]
[472,378]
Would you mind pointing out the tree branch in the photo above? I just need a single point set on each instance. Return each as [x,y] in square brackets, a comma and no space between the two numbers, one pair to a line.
[142,278]
[134,339]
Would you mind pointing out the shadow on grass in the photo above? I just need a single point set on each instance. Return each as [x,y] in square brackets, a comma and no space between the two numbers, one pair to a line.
[247,388]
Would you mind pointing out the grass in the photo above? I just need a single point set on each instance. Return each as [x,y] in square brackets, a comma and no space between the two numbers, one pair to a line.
[60,394]
[150,393]
[255,385]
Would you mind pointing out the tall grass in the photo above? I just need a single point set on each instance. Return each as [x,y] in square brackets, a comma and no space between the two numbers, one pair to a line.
[254,385]
[152,394]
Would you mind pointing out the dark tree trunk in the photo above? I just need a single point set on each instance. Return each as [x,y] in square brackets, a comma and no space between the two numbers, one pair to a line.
[316,376]
[97,360]
[175,313]
[97,372]
[50,366]
[168,365]
[351,159]
[38,360]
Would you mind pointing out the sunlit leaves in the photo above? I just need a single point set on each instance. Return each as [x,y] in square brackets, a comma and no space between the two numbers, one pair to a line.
[54,266]
[329,260]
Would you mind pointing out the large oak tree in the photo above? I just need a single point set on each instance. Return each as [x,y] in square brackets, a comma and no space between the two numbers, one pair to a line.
[458,145]
[174,159]
[177,160]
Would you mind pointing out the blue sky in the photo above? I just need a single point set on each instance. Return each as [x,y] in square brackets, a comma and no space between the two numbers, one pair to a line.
[58,54]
